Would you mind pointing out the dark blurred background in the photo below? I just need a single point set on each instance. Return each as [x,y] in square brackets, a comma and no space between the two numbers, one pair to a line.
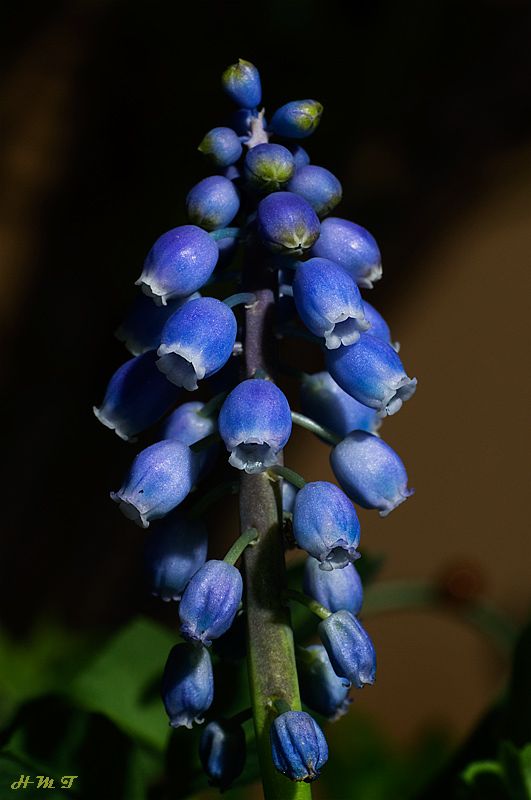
[428,124]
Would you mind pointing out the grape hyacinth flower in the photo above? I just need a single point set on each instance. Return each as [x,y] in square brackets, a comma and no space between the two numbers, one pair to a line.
[268,167]
[287,224]
[290,267]
[222,752]
[210,602]
[212,203]
[179,263]
[142,328]
[370,472]
[298,746]
[222,146]
[187,685]
[297,120]
[329,302]
[321,689]
[160,478]
[255,424]
[325,402]
[175,549]
[318,186]
[372,372]
[352,247]
[326,525]
[349,648]
[335,589]
[196,341]
[136,397]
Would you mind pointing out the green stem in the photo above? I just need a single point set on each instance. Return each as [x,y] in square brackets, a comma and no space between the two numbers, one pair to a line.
[314,427]
[211,497]
[289,475]
[402,595]
[315,607]
[245,298]
[270,650]
[226,233]
[247,537]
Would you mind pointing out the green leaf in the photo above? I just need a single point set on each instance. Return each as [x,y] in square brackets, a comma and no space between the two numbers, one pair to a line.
[122,681]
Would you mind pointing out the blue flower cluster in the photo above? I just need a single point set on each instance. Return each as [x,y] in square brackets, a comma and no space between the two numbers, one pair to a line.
[181,336]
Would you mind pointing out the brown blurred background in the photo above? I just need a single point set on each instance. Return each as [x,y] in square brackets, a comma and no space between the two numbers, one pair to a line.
[427,123]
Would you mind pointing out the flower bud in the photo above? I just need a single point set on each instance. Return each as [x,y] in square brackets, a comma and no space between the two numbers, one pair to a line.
[241,82]
[187,684]
[213,203]
[222,752]
[196,341]
[318,186]
[255,424]
[210,601]
[325,402]
[349,648]
[352,247]
[372,372]
[268,166]
[222,146]
[160,477]
[175,549]
[287,223]
[335,589]
[370,472]
[179,263]
[187,426]
[298,746]
[137,396]
[300,156]
[289,493]
[321,689]
[329,302]
[142,327]
[296,120]
[326,525]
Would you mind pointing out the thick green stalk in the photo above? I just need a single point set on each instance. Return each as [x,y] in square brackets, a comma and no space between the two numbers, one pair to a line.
[271,656]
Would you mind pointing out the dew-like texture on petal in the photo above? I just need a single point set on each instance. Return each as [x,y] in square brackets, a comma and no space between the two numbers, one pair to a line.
[318,186]
[187,684]
[370,472]
[325,402]
[325,524]
[241,82]
[352,247]
[298,746]
[335,589]
[222,751]
[196,341]
[142,328]
[349,647]
[255,424]
[268,167]
[329,302]
[321,689]
[160,477]
[175,549]
[210,601]
[178,264]
[372,372]
[222,146]
[213,203]
[287,223]
[297,119]
[137,396]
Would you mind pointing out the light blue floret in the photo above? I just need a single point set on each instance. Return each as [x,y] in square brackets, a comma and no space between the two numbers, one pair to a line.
[298,746]
[210,601]
[326,525]
[175,549]
[336,589]
[326,402]
[187,685]
[349,647]
[352,247]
